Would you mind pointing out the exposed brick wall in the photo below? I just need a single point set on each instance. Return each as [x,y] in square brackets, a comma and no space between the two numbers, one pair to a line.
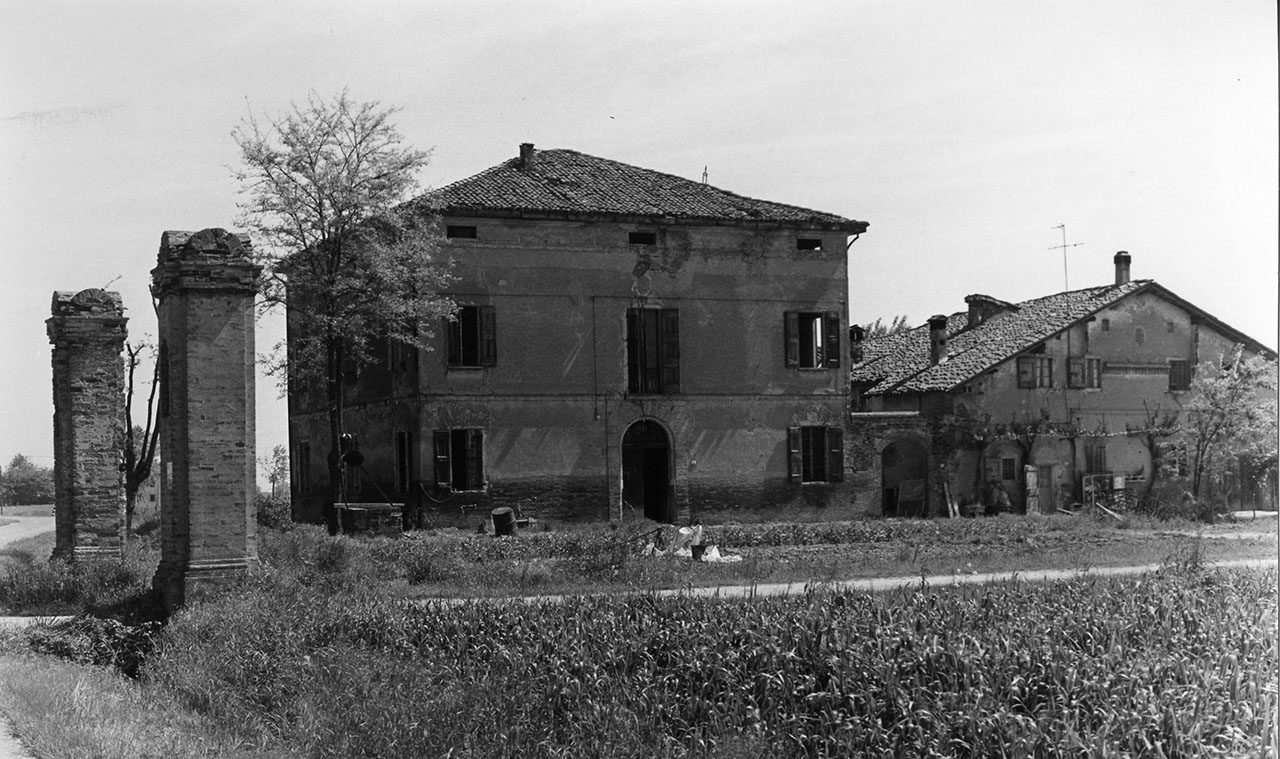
[87,330]
[205,284]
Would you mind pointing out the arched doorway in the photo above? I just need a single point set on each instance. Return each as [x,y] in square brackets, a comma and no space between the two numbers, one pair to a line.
[904,479]
[646,470]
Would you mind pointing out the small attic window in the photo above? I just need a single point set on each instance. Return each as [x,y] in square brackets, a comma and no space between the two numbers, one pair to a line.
[642,238]
[1106,325]
[808,243]
[460,231]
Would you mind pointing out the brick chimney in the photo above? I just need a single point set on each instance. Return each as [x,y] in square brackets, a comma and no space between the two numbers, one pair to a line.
[1122,267]
[856,337]
[526,156]
[983,308]
[937,339]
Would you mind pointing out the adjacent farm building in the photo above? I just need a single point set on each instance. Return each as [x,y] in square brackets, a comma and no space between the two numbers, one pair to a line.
[628,344]
[1032,406]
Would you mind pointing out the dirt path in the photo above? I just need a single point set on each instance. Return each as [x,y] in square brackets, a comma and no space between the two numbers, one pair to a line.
[19,528]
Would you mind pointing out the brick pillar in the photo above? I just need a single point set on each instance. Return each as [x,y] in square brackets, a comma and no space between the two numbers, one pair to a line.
[205,284]
[87,330]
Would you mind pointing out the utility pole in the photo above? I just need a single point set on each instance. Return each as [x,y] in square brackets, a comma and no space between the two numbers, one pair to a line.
[1065,283]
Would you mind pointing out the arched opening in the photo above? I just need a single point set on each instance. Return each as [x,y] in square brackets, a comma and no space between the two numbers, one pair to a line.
[904,479]
[646,471]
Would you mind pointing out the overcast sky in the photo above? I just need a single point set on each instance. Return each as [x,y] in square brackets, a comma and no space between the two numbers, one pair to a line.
[964,132]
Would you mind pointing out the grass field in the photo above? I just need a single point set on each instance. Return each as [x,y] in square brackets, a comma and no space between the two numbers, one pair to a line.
[334,649]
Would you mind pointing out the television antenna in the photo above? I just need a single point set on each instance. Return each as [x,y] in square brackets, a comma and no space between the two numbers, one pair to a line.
[1065,284]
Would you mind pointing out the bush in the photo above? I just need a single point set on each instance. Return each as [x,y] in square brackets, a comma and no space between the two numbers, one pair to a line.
[274,511]
[101,642]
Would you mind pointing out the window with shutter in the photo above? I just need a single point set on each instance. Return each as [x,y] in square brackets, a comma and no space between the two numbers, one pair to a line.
[472,338]
[815,454]
[812,339]
[459,459]
[1179,374]
[653,350]
[1035,371]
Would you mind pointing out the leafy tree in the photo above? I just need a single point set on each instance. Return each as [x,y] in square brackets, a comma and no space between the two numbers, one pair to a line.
[139,441]
[324,187]
[277,468]
[1158,424]
[1232,415]
[879,328]
[23,482]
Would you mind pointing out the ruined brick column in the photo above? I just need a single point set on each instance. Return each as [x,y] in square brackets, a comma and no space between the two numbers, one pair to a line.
[205,284]
[87,330]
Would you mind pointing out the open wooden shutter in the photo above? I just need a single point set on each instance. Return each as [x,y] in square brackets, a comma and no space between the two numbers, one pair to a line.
[835,454]
[475,460]
[443,463]
[488,336]
[831,336]
[670,350]
[795,459]
[453,340]
[634,372]
[791,328]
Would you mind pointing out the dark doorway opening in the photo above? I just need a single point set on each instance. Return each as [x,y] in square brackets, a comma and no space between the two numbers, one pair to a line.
[646,471]
[904,479]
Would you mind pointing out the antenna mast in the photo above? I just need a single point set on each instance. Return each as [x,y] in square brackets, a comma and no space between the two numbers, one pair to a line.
[1065,283]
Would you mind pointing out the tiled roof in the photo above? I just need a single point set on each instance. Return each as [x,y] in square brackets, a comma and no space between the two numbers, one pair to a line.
[900,363]
[568,182]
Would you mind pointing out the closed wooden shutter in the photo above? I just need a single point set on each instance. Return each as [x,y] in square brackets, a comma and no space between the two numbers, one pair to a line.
[443,463]
[795,459]
[1075,373]
[791,328]
[453,338]
[670,350]
[488,336]
[835,454]
[831,334]
[1027,371]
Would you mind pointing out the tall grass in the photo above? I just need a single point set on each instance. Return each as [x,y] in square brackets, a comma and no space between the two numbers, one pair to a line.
[1182,663]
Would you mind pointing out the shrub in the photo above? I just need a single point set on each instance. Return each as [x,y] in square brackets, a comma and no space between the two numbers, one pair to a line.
[274,511]
[90,640]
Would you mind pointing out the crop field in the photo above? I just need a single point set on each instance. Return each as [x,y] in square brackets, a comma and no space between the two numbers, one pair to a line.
[1173,664]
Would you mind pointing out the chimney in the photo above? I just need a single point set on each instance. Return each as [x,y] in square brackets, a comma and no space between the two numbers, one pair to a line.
[856,337]
[1122,267]
[937,339]
[526,155]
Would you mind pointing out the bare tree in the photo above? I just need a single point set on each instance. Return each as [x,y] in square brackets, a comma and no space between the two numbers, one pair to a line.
[139,440]
[324,188]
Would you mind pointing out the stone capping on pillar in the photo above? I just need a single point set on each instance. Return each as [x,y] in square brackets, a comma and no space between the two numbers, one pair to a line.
[211,259]
[88,330]
[205,283]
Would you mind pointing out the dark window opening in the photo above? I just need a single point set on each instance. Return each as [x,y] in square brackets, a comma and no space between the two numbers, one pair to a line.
[815,454]
[472,337]
[1008,469]
[653,350]
[808,243]
[812,339]
[1179,374]
[460,232]
[1035,371]
[1106,325]
[459,459]
[642,238]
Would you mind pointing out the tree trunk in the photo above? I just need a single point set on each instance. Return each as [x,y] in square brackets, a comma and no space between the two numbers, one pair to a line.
[334,405]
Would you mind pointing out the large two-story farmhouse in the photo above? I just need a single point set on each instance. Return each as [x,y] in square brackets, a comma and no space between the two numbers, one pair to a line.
[628,344]
[1032,405]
